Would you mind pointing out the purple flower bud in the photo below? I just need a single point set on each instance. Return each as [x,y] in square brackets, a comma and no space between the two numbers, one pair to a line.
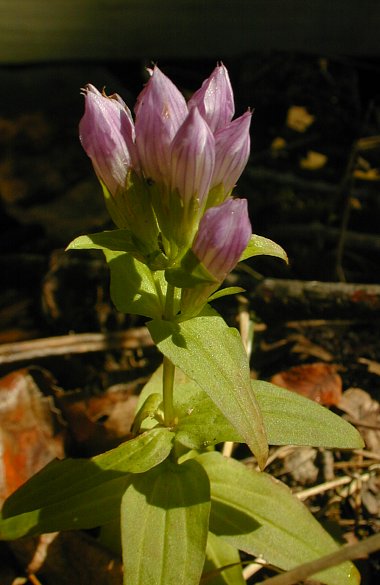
[192,160]
[224,232]
[104,130]
[160,110]
[215,99]
[232,146]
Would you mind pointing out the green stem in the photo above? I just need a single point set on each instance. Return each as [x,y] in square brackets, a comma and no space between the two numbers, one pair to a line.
[168,386]
[169,367]
[169,303]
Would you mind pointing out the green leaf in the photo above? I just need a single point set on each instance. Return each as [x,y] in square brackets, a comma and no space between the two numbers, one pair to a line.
[291,419]
[212,354]
[220,554]
[223,292]
[148,410]
[260,246]
[115,240]
[259,515]
[135,289]
[164,525]
[81,493]
[200,422]
[93,508]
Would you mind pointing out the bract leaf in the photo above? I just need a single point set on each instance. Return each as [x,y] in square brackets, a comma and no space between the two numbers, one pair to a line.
[259,515]
[81,493]
[291,419]
[135,289]
[223,292]
[260,246]
[212,354]
[164,525]
[115,240]
[223,561]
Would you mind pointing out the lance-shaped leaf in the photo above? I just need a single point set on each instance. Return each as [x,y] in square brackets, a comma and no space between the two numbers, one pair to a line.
[260,246]
[115,240]
[212,354]
[164,525]
[259,515]
[81,493]
[222,566]
[291,419]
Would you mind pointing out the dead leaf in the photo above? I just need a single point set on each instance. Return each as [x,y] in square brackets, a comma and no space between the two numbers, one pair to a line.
[313,161]
[299,119]
[29,437]
[370,175]
[363,410]
[300,464]
[319,382]
[372,366]
[368,143]
[100,422]
[278,144]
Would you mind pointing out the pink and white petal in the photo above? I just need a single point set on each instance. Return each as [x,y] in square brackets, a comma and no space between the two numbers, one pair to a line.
[215,99]
[232,148]
[192,159]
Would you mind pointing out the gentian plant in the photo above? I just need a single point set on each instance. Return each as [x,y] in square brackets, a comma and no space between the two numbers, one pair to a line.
[180,509]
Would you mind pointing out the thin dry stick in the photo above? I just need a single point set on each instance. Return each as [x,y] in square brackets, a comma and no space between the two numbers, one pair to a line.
[20,351]
[329,485]
[253,568]
[346,553]
[368,454]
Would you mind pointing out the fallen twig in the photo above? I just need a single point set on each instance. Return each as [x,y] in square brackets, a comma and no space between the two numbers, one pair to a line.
[302,299]
[20,351]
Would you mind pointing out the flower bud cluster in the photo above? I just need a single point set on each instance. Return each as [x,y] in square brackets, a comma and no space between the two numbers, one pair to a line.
[168,175]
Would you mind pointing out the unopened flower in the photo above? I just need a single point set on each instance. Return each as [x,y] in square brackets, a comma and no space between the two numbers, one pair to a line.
[232,146]
[107,135]
[104,132]
[215,99]
[160,111]
[224,233]
[174,162]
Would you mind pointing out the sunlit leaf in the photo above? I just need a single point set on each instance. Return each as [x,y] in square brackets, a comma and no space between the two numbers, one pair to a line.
[223,292]
[258,514]
[164,525]
[81,493]
[260,246]
[114,240]
[291,419]
[212,354]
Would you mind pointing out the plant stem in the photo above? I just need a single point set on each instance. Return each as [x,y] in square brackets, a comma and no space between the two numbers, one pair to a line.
[168,383]
[169,303]
[169,367]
